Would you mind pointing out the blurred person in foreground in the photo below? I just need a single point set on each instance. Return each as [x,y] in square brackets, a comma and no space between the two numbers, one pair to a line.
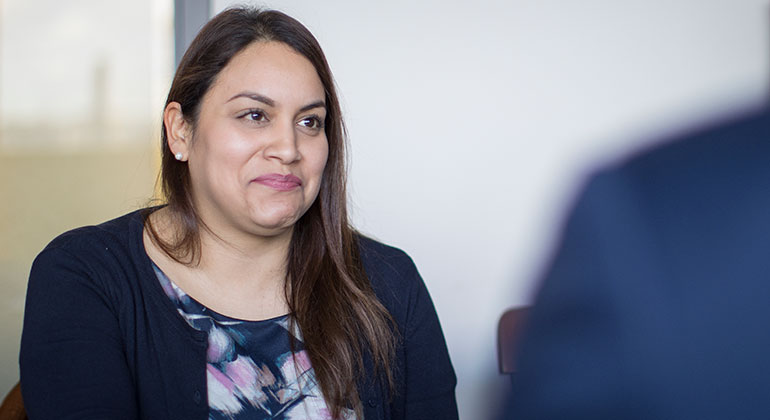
[657,303]
[248,295]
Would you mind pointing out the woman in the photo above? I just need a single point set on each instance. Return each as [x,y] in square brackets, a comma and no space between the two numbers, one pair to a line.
[248,295]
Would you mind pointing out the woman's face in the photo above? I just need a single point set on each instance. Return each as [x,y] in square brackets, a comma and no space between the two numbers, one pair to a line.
[259,146]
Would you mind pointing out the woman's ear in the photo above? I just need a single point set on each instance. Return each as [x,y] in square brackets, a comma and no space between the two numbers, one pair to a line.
[178,131]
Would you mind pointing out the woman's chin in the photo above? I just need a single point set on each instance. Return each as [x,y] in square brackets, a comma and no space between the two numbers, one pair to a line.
[276,217]
[272,226]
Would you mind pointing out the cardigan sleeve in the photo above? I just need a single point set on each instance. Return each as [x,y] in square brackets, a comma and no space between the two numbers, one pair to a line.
[429,377]
[425,379]
[72,361]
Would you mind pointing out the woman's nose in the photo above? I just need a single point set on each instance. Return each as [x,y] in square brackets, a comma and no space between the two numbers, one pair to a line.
[283,143]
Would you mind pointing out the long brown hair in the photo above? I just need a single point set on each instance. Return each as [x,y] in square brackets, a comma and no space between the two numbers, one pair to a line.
[328,293]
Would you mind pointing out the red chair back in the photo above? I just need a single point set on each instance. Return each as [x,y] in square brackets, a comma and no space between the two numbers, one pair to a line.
[12,407]
[508,334]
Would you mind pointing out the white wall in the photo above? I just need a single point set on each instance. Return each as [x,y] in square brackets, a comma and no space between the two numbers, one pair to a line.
[472,124]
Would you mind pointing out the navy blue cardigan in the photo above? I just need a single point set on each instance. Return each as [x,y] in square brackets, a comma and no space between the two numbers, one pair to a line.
[102,340]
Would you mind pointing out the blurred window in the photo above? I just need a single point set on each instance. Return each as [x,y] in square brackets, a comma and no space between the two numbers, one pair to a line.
[82,86]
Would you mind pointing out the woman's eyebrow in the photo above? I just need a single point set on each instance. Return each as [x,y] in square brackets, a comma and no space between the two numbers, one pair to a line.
[269,102]
[317,104]
[255,96]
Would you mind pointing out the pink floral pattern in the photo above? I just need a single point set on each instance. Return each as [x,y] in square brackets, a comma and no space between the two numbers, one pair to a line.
[251,371]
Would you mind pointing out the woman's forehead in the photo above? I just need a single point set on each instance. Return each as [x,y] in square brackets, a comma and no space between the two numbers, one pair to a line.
[270,69]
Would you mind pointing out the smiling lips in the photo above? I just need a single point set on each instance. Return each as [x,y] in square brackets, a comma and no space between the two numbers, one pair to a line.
[279,182]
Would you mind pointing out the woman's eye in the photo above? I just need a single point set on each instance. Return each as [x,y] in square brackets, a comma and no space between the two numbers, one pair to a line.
[311,122]
[255,116]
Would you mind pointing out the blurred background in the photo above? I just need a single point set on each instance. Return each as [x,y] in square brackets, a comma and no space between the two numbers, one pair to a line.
[471,126]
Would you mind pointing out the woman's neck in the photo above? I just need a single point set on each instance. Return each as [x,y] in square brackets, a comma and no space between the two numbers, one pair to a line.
[235,276]
[245,260]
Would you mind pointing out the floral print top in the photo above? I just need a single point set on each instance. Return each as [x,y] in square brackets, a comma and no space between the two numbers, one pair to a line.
[251,372]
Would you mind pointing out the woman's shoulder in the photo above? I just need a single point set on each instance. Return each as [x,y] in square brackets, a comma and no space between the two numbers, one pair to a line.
[93,247]
[381,257]
[93,236]
[91,265]
[391,271]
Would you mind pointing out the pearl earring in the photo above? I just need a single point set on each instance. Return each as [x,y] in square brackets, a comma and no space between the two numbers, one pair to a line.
[178,156]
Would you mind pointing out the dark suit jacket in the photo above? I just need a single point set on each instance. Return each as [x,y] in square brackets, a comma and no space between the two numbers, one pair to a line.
[657,303]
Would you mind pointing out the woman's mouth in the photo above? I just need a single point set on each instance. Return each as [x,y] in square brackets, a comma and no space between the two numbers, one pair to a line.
[279,182]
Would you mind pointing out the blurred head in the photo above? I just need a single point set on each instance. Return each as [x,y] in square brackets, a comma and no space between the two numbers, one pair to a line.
[224,40]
